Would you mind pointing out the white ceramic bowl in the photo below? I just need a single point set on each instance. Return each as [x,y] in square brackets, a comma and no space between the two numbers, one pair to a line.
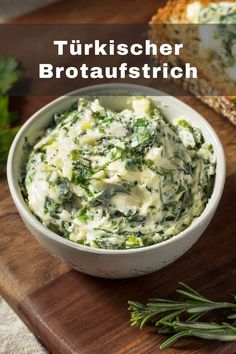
[114,263]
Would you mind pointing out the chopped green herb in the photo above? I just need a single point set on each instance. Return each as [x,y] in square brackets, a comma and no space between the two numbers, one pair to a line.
[128,180]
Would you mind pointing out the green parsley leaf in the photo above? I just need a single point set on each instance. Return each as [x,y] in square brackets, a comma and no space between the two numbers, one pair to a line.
[9,74]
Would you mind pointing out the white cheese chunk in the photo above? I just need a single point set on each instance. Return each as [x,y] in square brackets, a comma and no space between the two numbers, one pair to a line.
[141,106]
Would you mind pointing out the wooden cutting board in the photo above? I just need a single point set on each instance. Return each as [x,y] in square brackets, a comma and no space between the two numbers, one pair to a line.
[74,313]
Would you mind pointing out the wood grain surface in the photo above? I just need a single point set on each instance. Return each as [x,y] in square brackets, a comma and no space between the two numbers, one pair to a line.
[94,11]
[74,313]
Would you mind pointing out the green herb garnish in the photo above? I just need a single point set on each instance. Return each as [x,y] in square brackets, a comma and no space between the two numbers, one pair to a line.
[181,318]
[233,101]
[9,74]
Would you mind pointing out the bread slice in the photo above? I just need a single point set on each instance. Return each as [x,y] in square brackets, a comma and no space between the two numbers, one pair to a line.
[213,85]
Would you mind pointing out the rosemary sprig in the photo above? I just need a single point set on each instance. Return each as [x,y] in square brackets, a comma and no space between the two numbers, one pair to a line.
[180,318]
[212,331]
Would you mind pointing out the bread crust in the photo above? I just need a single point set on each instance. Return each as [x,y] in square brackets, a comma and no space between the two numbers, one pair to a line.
[175,12]
[178,8]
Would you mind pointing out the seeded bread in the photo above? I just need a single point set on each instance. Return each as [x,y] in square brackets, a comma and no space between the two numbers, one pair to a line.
[210,86]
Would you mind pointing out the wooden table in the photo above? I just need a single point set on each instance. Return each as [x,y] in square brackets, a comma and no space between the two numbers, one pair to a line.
[74,313]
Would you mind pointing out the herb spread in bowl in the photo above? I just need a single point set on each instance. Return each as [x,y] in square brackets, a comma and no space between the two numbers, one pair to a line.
[118,180]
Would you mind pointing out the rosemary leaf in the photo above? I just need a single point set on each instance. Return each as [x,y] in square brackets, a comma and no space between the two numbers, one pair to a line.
[174,339]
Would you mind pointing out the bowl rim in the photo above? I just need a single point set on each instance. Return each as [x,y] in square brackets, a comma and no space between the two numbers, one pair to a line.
[42,229]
